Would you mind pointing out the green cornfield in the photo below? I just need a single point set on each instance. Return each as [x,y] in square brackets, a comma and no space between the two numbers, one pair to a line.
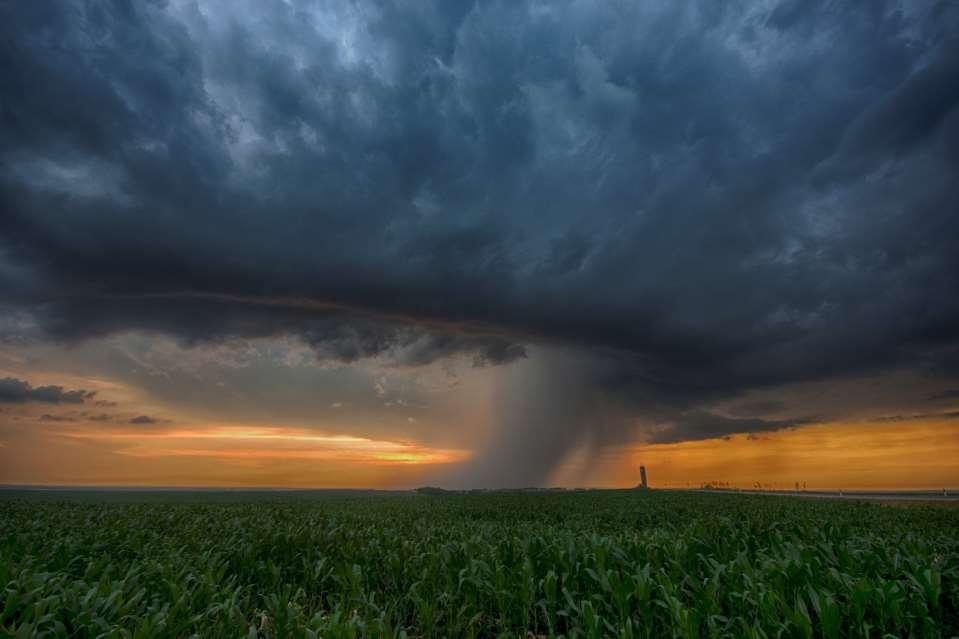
[513,564]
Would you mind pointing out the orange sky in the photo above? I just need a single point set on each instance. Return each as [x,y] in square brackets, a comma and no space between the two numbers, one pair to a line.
[402,428]
[920,455]
[852,456]
[214,456]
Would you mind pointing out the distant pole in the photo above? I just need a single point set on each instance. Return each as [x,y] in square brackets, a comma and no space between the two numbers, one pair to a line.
[642,477]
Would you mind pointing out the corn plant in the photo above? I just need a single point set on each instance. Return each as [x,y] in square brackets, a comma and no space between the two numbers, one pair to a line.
[516,564]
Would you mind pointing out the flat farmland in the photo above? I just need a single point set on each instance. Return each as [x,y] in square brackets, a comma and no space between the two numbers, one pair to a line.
[516,564]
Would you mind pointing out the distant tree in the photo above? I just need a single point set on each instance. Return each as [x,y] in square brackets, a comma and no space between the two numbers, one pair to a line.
[432,490]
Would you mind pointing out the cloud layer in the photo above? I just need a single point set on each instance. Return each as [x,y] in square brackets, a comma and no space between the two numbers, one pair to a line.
[710,197]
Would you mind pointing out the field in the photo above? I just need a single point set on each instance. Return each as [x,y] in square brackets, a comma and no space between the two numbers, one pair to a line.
[584,564]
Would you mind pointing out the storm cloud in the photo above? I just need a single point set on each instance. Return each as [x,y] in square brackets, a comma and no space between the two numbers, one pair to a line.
[695,425]
[708,197]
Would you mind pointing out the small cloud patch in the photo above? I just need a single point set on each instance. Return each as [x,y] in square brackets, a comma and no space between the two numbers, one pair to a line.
[952,393]
[18,391]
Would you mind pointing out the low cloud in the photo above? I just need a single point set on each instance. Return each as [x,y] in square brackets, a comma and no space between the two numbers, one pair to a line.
[18,391]
[46,417]
[952,393]
[698,424]
[751,409]
[915,417]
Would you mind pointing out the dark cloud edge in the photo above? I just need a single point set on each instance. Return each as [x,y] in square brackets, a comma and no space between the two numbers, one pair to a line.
[18,391]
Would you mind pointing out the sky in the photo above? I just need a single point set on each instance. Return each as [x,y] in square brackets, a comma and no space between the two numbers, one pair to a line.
[479,244]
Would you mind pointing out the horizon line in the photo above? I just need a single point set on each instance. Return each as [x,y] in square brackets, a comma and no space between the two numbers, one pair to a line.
[207,488]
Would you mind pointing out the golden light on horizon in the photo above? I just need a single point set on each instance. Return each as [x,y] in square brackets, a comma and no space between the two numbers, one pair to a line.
[267,442]
[861,455]
[903,454]
[218,456]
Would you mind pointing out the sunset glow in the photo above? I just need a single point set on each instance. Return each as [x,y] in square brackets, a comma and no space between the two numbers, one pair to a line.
[826,457]
[268,443]
[858,455]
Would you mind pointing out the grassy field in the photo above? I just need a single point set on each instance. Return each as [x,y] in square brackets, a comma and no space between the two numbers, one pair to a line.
[585,564]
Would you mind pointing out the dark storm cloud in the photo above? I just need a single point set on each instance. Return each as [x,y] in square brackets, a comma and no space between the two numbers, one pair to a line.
[145,420]
[335,332]
[718,196]
[17,391]
[693,425]
[749,409]
[915,417]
